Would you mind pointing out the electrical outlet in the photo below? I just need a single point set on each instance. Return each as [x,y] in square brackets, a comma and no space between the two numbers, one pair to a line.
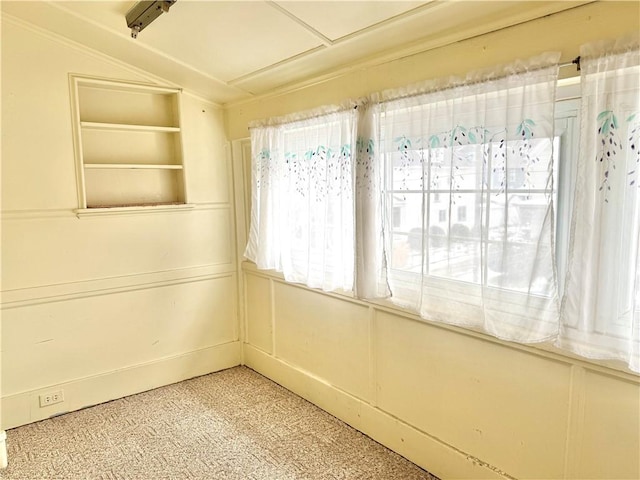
[51,398]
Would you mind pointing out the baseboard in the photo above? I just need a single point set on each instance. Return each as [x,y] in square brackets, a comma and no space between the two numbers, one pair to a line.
[424,450]
[3,449]
[24,407]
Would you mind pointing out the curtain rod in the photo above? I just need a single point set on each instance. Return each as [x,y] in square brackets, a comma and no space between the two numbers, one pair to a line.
[575,61]
[314,114]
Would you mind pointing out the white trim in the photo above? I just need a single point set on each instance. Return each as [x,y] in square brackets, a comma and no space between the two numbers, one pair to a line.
[71,212]
[118,126]
[24,297]
[90,212]
[131,166]
[3,449]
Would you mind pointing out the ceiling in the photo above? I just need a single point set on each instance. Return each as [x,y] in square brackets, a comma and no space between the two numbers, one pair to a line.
[229,51]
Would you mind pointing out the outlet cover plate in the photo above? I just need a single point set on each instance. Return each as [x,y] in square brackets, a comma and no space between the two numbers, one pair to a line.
[51,398]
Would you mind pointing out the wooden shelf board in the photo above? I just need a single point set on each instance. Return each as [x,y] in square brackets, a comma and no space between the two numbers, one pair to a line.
[131,166]
[128,127]
[133,209]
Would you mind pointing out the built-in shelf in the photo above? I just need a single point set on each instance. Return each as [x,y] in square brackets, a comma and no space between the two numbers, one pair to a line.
[126,166]
[133,209]
[128,146]
[123,126]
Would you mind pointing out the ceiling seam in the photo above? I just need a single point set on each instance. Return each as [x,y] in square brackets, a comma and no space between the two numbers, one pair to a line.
[233,82]
[324,39]
[433,4]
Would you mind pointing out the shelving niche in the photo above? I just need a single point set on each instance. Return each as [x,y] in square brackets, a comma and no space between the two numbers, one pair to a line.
[128,146]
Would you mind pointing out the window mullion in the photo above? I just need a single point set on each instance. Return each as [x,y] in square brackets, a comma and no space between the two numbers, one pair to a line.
[426,185]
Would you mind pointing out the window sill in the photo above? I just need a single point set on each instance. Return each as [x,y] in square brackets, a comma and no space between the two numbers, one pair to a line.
[132,210]
[542,349]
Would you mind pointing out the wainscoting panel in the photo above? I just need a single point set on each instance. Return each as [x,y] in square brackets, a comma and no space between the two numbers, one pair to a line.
[505,406]
[258,311]
[610,423]
[54,343]
[323,335]
[45,251]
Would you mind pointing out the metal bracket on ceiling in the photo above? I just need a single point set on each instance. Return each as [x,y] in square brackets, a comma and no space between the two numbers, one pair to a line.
[145,12]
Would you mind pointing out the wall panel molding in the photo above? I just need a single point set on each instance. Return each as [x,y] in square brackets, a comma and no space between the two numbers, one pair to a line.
[25,297]
[7,215]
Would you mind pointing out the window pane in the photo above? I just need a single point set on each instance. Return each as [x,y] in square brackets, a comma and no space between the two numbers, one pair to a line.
[455,168]
[515,266]
[527,163]
[406,247]
[520,218]
[455,259]
[454,246]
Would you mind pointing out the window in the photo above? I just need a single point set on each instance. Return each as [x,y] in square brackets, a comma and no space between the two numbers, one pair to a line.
[397,216]
[462,213]
[461,198]
[475,168]
[302,203]
[499,213]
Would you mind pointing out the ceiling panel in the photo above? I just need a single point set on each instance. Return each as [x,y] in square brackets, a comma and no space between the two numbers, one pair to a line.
[230,50]
[339,19]
[222,39]
[228,39]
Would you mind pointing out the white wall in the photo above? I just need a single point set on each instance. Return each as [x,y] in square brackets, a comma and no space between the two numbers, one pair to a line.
[103,306]
[458,403]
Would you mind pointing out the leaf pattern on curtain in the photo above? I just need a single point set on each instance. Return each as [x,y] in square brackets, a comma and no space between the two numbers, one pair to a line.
[610,146]
[365,157]
[302,220]
[494,147]
[328,172]
[633,122]
[262,161]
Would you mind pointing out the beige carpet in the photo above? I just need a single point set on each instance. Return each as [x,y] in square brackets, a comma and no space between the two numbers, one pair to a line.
[234,424]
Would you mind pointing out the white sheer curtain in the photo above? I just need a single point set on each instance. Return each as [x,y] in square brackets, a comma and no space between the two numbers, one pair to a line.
[601,308]
[302,216]
[371,260]
[468,195]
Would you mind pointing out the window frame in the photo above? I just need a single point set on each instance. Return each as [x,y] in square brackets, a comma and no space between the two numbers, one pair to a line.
[565,141]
